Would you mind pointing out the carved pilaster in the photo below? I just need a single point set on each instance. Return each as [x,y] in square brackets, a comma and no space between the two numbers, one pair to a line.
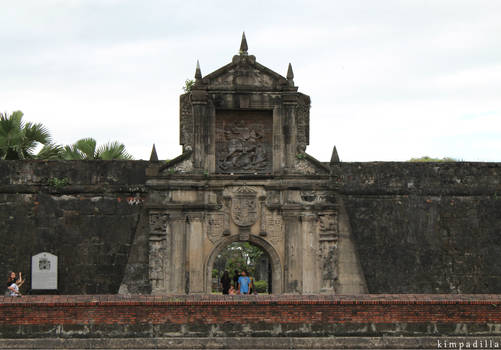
[328,239]
[158,222]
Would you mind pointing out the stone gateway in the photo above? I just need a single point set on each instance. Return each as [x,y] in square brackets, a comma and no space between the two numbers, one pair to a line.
[244,176]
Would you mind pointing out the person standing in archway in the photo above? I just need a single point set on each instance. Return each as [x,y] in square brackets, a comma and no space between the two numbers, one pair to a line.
[225,282]
[244,283]
[236,275]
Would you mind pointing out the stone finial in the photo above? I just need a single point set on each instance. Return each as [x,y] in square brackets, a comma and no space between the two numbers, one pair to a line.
[290,75]
[334,157]
[198,72]
[153,156]
[243,45]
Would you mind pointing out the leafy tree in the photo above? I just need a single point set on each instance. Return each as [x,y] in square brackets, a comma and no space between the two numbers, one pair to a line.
[238,256]
[87,149]
[188,84]
[19,139]
[429,159]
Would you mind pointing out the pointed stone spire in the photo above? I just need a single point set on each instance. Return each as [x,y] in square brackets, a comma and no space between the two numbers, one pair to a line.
[334,157]
[153,156]
[198,72]
[243,45]
[290,75]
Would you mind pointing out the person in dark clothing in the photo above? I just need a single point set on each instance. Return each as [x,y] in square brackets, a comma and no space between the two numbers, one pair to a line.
[235,279]
[225,282]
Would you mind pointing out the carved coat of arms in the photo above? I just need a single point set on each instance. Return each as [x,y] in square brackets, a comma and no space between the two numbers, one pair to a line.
[244,207]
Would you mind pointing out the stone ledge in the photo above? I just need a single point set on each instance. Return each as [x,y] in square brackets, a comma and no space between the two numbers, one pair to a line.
[211,299]
[252,343]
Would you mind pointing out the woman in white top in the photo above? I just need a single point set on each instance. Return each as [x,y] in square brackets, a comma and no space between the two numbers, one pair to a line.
[13,285]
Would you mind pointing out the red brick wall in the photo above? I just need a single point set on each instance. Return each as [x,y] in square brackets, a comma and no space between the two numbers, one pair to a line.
[283,309]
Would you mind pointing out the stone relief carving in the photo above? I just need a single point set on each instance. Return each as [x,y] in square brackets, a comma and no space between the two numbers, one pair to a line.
[274,227]
[157,238]
[328,223]
[158,223]
[244,148]
[328,239]
[304,167]
[328,253]
[303,125]
[156,258]
[184,167]
[244,206]
[215,226]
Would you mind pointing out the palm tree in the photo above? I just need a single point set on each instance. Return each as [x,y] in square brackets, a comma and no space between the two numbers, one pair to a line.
[87,149]
[18,139]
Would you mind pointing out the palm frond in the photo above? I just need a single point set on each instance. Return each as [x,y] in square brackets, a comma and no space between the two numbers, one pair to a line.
[70,152]
[50,151]
[113,150]
[87,146]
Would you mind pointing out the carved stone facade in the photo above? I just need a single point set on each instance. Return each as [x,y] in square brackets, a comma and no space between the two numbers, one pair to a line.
[244,176]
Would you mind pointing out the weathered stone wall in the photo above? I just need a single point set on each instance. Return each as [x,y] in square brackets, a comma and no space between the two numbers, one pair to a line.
[425,227]
[417,227]
[85,212]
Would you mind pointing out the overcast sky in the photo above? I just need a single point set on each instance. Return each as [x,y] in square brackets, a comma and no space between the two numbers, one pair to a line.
[388,80]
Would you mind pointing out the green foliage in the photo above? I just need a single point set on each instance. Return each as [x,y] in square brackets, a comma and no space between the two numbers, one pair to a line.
[238,256]
[18,139]
[261,286]
[58,182]
[86,148]
[300,156]
[188,85]
[429,159]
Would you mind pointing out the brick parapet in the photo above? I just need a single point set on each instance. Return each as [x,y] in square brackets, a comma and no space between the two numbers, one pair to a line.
[275,309]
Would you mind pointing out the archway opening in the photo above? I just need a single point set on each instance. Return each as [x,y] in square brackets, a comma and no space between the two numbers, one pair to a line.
[243,256]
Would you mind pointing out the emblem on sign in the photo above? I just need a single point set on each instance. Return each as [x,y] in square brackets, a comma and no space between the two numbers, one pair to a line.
[244,207]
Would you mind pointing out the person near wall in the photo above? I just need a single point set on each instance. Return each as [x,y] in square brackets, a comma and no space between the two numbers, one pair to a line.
[244,283]
[225,282]
[13,284]
[236,275]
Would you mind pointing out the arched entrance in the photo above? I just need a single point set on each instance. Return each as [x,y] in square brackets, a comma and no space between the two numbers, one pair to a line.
[275,264]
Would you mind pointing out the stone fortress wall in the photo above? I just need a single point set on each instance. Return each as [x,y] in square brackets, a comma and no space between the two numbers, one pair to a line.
[417,227]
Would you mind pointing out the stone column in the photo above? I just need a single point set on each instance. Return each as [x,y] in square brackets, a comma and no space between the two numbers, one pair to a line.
[200,127]
[195,263]
[278,143]
[311,271]
[177,270]
[289,129]
[293,253]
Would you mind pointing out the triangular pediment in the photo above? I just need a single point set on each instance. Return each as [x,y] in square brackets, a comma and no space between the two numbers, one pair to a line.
[245,73]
